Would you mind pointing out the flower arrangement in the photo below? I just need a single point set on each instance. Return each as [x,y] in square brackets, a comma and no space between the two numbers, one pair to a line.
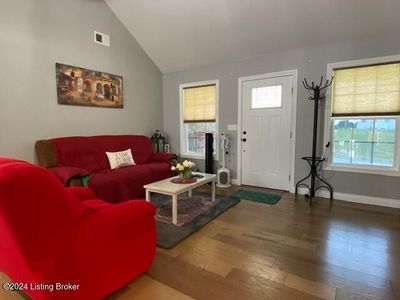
[184,169]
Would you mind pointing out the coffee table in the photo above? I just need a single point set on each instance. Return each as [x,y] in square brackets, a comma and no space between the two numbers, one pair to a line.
[166,187]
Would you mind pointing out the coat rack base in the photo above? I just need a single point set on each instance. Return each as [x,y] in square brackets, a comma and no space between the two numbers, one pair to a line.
[316,182]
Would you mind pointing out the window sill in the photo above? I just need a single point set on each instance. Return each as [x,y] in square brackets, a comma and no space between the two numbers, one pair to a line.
[194,156]
[384,172]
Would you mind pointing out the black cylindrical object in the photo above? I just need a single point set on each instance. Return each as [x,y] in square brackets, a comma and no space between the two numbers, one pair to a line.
[314,144]
[209,153]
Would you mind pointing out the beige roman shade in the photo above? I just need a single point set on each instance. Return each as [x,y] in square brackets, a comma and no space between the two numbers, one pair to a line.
[366,91]
[199,103]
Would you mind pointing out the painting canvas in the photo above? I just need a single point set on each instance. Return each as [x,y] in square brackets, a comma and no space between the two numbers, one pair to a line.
[79,86]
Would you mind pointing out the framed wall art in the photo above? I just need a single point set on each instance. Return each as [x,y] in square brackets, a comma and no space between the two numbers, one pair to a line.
[79,86]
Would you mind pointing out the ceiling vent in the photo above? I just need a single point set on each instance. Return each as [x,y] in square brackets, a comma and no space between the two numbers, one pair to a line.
[101,38]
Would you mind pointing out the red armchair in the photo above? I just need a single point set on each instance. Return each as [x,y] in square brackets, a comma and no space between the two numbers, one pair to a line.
[53,235]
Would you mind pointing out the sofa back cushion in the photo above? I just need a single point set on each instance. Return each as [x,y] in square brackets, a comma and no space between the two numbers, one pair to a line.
[89,153]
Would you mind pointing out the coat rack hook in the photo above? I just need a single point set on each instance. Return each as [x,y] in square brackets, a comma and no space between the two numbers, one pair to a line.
[306,85]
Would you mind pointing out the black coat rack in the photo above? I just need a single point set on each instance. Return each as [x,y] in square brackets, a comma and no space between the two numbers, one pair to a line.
[314,161]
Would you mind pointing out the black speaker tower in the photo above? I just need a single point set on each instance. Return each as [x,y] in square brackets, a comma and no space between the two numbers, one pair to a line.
[209,153]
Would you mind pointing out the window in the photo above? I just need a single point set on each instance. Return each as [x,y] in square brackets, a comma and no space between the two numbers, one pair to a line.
[266,97]
[364,117]
[199,103]
[369,142]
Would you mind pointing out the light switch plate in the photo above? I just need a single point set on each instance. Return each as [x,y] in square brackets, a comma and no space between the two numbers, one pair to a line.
[232,127]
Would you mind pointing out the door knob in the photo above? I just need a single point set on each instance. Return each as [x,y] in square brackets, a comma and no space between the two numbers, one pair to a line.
[243,140]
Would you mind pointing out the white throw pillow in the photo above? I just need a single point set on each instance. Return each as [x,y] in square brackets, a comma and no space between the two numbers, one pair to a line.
[120,159]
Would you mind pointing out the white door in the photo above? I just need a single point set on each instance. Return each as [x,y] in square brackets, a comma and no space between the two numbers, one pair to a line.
[266,125]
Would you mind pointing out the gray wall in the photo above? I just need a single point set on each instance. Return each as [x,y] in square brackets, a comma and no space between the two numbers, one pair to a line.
[34,35]
[310,62]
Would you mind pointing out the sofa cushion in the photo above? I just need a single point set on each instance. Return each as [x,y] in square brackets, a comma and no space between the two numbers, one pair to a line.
[89,153]
[120,184]
[159,171]
[65,174]
[127,183]
[120,159]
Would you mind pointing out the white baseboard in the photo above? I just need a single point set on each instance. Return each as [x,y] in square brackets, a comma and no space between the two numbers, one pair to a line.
[235,181]
[387,202]
[292,189]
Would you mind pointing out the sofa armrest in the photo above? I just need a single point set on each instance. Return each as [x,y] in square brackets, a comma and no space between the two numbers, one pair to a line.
[65,174]
[163,156]
[46,154]
[81,193]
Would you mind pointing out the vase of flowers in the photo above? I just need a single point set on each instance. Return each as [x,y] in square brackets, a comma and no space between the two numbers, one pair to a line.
[184,169]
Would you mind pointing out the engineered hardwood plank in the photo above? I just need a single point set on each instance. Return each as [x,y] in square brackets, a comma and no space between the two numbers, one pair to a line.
[219,257]
[195,281]
[301,264]
[278,244]
[169,252]
[267,247]
[285,240]
[311,287]
[348,295]
[267,289]
[395,289]
[336,276]
[9,295]
[146,288]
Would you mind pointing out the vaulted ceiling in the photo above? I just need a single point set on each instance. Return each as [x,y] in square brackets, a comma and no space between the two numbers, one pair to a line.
[184,34]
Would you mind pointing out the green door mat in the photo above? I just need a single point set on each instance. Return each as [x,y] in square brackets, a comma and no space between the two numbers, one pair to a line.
[261,197]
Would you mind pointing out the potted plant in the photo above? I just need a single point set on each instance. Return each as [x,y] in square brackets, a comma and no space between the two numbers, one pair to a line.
[184,169]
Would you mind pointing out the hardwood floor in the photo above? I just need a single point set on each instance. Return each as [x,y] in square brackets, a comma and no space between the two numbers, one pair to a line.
[288,251]
[284,251]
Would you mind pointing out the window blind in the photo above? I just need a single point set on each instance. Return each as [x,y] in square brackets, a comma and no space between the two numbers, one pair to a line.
[367,91]
[199,103]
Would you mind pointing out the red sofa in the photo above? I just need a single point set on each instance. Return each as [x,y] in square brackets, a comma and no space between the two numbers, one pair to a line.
[52,234]
[70,158]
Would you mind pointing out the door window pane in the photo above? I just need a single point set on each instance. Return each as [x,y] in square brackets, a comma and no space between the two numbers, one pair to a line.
[369,142]
[266,97]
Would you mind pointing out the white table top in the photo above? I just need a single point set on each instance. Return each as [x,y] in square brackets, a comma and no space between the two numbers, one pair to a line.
[167,187]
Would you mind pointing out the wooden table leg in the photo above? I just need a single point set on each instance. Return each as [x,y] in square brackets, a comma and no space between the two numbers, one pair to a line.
[148,193]
[174,209]
[190,193]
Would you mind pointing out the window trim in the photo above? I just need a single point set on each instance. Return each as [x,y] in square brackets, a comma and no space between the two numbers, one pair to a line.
[328,164]
[181,121]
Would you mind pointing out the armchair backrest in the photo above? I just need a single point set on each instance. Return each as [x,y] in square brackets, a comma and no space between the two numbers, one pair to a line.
[34,205]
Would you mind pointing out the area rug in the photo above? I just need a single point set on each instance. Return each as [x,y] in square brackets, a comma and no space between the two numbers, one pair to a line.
[262,197]
[169,235]
[188,209]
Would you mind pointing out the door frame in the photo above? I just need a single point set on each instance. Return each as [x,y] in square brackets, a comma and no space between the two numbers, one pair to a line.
[293,112]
